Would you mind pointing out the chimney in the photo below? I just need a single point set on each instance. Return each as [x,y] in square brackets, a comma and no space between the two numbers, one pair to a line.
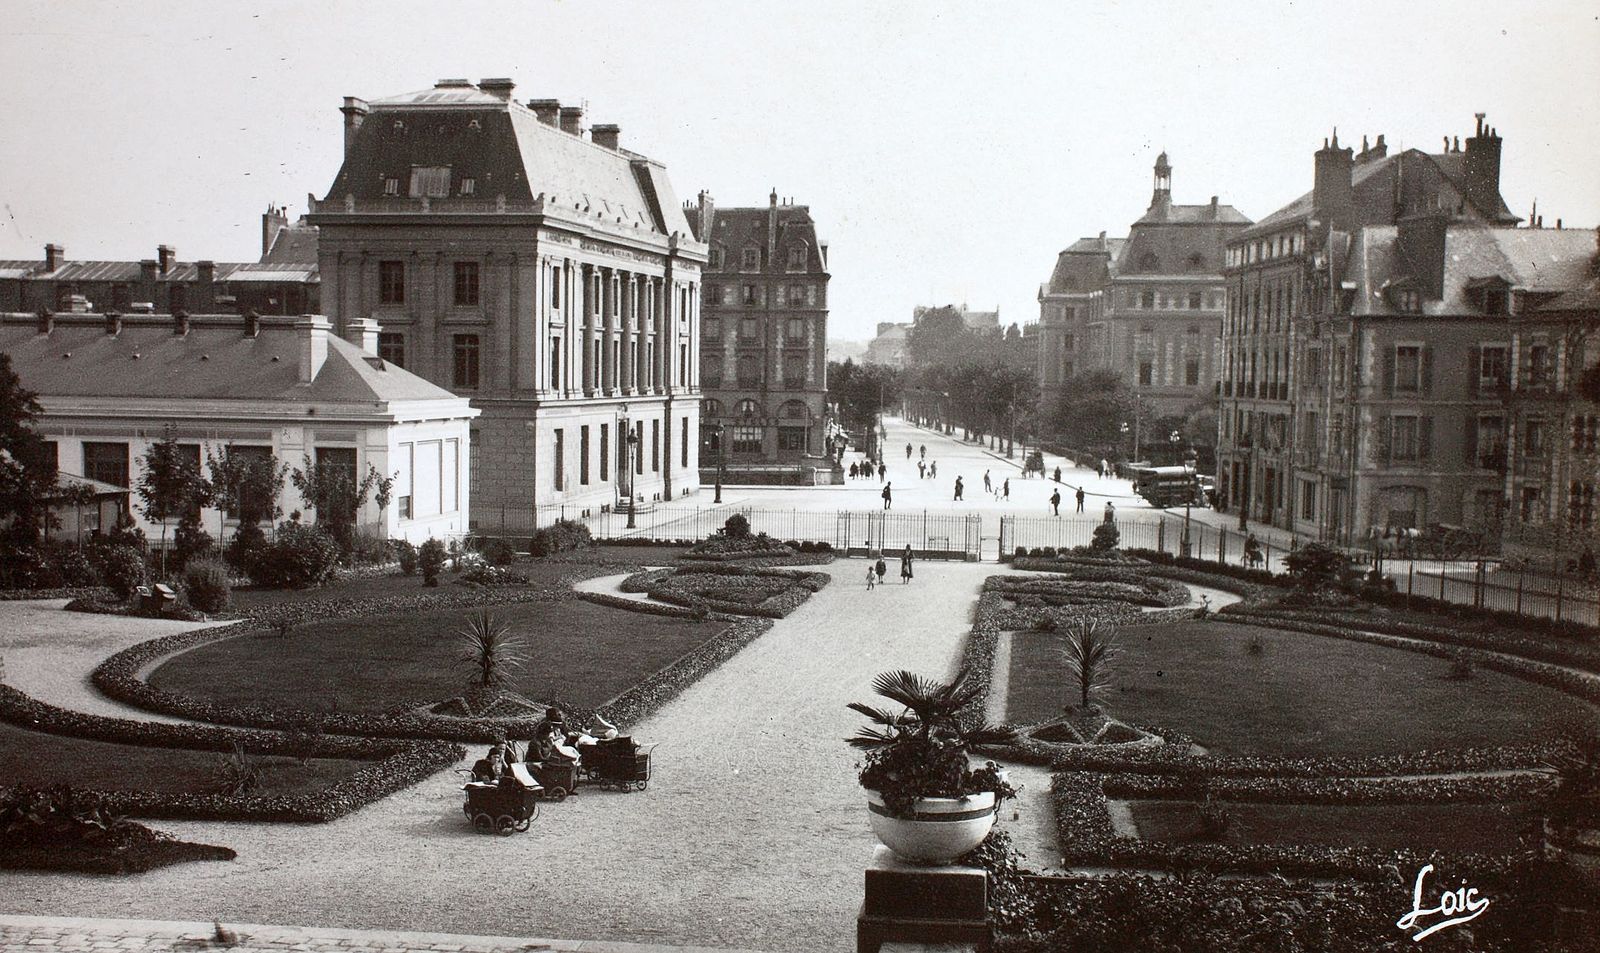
[355,112]
[1333,194]
[47,320]
[167,256]
[113,323]
[205,272]
[147,270]
[705,210]
[252,323]
[272,221]
[312,333]
[572,120]
[180,322]
[499,87]
[1379,149]
[363,333]
[1215,208]
[605,134]
[54,257]
[548,110]
[1480,170]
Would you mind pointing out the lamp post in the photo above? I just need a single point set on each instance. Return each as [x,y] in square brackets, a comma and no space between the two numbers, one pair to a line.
[625,478]
[721,459]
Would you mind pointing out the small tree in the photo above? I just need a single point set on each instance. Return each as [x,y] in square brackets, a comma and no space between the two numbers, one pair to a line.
[1105,538]
[492,649]
[1316,567]
[430,556]
[336,495]
[248,485]
[170,485]
[736,527]
[26,478]
[1090,655]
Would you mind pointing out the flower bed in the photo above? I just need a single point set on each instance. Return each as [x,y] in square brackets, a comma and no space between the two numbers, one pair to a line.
[67,592]
[648,608]
[1332,790]
[773,593]
[648,696]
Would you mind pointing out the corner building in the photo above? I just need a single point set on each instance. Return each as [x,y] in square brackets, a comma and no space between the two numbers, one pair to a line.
[514,257]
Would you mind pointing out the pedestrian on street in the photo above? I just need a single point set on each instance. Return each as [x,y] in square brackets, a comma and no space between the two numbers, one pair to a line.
[882,569]
[1005,488]
[1105,468]
[854,471]
[908,451]
[958,490]
[987,486]
[883,471]
[933,470]
[922,470]
[1058,474]
[1080,499]
[924,450]
[872,576]
[888,496]
[1111,512]
[905,565]
[1055,502]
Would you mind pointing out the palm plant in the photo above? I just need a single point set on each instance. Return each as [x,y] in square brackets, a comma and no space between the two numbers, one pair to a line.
[492,649]
[921,750]
[1090,655]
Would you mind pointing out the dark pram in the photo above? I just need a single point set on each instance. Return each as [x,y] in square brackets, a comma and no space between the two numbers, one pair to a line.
[507,805]
[618,763]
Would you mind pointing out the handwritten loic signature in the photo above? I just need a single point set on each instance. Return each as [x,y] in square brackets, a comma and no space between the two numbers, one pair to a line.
[1456,906]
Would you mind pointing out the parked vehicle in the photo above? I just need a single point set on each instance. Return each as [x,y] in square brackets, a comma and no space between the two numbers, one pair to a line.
[1167,486]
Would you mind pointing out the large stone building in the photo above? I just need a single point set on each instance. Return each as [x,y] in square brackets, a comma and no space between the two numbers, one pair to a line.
[763,342]
[1148,307]
[110,385]
[888,347]
[548,275]
[1370,346]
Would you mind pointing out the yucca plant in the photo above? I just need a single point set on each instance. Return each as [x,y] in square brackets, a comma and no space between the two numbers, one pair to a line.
[1090,656]
[492,649]
[922,750]
[237,772]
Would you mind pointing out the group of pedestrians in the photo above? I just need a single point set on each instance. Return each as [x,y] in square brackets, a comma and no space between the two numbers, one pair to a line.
[865,470]
[879,569]
[927,471]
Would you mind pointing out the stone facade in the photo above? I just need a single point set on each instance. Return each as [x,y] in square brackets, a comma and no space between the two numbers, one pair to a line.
[549,276]
[763,342]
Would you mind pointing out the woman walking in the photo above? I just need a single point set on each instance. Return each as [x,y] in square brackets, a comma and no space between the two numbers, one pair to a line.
[905,565]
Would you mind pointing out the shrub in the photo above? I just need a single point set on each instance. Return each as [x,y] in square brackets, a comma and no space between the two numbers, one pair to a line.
[431,558]
[1106,538]
[737,527]
[369,549]
[74,567]
[407,554]
[237,772]
[1214,820]
[246,541]
[303,555]
[498,552]
[189,542]
[1049,552]
[560,536]
[1021,553]
[121,567]
[1316,566]
[206,582]
[824,547]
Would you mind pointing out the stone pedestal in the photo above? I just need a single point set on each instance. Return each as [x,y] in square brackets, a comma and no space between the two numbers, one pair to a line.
[927,905]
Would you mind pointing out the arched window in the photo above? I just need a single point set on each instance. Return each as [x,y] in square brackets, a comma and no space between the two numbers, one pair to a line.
[749,408]
[715,264]
[711,407]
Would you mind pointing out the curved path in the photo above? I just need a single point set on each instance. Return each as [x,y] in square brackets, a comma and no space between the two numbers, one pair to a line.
[753,833]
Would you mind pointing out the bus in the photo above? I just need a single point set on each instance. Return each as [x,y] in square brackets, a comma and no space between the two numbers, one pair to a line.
[1167,486]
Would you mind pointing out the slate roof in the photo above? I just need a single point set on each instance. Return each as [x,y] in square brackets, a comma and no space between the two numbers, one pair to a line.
[287,270]
[1165,213]
[214,361]
[1085,265]
[294,243]
[506,150]
[734,229]
[1529,259]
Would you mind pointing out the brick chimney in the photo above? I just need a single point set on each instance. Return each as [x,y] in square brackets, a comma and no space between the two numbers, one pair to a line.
[147,270]
[1480,169]
[701,214]
[572,120]
[499,87]
[355,113]
[54,257]
[605,134]
[363,333]
[312,333]
[273,220]
[1333,195]
[205,271]
[548,110]
[167,256]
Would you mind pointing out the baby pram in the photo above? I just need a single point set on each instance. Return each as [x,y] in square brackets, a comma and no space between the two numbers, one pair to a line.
[619,763]
[507,805]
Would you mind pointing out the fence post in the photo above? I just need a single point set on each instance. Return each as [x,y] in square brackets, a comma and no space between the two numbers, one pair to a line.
[1560,587]
[1519,591]
[1441,580]
[1477,596]
[1161,536]
[1411,579]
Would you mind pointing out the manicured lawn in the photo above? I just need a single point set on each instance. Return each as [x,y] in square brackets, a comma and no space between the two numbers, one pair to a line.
[579,652]
[1304,695]
[1490,828]
[36,759]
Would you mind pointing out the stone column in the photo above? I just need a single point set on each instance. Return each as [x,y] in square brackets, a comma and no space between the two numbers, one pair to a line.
[630,314]
[590,306]
[608,345]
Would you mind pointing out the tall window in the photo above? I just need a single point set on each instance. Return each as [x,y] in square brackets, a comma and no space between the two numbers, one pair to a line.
[340,461]
[430,182]
[1147,299]
[796,329]
[392,347]
[605,452]
[583,455]
[747,329]
[751,260]
[683,444]
[465,364]
[1407,368]
[1146,373]
[466,283]
[1405,446]
[1191,372]
[797,257]
[555,363]
[391,186]
[1196,301]
[391,282]
[106,462]
[1492,365]
[638,443]
[794,370]
[792,439]
[710,328]
[555,286]
[715,264]
[750,294]
[655,446]
[749,370]
[561,459]
[469,185]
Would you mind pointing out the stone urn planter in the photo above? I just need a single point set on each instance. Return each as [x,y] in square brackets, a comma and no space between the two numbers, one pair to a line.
[943,829]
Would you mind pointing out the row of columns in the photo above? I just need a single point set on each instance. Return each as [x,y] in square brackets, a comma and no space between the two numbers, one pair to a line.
[622,342]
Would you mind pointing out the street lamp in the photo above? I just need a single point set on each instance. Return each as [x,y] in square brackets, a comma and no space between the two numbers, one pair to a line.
[721,459]
[630,442]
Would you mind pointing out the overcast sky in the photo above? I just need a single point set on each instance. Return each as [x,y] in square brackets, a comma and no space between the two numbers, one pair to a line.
[948,151]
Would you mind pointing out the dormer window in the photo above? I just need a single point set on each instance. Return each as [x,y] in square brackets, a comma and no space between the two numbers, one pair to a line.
[431,182]
[391,186]
[716,258]
[797,257]
[1408,301]
[751,260]
[469,185]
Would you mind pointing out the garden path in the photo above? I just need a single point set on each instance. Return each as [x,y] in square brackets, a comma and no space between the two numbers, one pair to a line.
[50,654]
[753,832]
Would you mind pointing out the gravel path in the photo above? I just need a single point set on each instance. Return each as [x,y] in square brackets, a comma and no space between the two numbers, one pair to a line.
[50,654]
[753,833]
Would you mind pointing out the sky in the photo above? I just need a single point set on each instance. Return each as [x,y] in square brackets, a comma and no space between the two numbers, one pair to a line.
[947,151]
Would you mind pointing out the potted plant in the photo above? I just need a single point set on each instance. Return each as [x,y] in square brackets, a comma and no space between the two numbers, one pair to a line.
[925,800]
